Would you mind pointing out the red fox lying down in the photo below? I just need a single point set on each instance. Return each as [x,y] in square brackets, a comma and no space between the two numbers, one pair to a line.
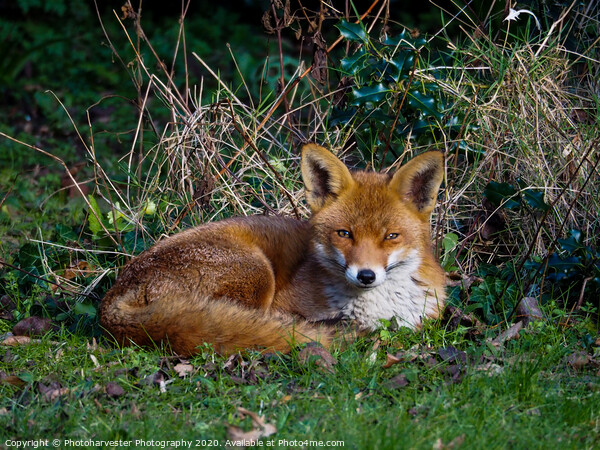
[266,282]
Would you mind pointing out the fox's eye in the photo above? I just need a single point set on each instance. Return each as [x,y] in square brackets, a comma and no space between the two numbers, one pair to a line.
[344,234]
[391,236]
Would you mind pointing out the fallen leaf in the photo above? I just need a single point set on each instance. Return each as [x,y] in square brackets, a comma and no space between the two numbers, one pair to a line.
[373,356]
[7,306]
[491,368]
[260,429]
[11,379]
[454,317]
[578,360]
[451,354]
[321,357]
[454,443]
[390,360]
[183,369]
[528,310]
[398,381]
[511,333]
[232,362]
[14,341]
[32,326]
[53,394]
[95,361]
[114,390]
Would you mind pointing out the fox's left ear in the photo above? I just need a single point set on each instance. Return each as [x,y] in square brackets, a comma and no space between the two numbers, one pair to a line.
[419,180]
[325,176]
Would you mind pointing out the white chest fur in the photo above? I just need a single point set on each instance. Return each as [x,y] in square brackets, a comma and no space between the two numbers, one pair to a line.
[399,296]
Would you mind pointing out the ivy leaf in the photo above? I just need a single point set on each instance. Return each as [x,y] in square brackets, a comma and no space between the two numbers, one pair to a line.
[424,103]
[353,32]
[502,194]
[372,94]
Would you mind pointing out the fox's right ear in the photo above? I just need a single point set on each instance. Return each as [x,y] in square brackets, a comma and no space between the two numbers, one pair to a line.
[324,175]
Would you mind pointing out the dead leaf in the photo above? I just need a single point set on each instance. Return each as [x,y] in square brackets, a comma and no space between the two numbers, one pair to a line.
[454,317]
[128,12]
[398,381]
[321,357]
[114,390]
[451,354]
[528,310]
[7,306]
[95,361]
[15,341]
[260,429]
[511,333]
[492,221]
[454,443]
[33,326]
[183,369]
[80,268]
[319,65]
[232,362]
[491,368]
[11,379]
[53,394]
[390,360]
[578,360]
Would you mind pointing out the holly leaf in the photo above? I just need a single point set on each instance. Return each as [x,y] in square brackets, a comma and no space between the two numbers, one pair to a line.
[353,32]
[425,103]
[502,194]
[371,94]
[352,64]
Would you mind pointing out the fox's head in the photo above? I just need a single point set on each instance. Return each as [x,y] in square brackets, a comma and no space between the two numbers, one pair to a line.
[367,224]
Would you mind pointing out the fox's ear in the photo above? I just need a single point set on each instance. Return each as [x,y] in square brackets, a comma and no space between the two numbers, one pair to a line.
[325,176]
[419,180]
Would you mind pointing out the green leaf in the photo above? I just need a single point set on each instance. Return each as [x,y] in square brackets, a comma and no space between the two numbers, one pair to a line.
[404,39]
[572,243]
[85,307]
[425,103]
[353,32]
[535,199]
[352,64]
[449,242]
[502,194]
[93,222]
[372,94]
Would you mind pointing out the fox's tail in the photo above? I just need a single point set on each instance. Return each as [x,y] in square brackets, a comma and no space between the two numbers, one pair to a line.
[185,324]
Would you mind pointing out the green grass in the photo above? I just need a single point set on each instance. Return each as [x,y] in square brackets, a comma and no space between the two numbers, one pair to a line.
[526,395]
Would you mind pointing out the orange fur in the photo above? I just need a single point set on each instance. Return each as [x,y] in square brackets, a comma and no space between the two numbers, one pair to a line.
[268,282]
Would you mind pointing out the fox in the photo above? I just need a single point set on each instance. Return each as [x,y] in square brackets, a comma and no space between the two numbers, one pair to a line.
[270,282]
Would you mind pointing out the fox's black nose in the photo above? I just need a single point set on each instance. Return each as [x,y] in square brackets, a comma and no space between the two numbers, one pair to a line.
[366,276]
